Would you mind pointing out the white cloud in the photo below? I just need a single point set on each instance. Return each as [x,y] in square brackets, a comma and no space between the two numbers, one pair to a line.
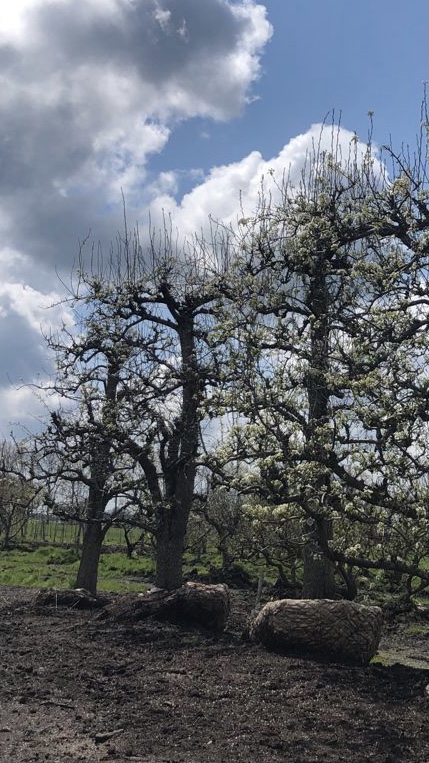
[90,90]
[218,195]
[232,191]
[26,316]
[163,17]
[13,17]
[24,407]
[42,312]
[19,409]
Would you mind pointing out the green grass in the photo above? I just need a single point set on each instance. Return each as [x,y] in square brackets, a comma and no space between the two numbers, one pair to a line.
[56,565]
[417,629]
[53,567]
[118,573]
[212,560]
[42,568]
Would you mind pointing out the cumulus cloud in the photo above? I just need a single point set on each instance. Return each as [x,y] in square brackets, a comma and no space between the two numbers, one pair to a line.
[233,190]
[26,316]
[90,91]
[228,192]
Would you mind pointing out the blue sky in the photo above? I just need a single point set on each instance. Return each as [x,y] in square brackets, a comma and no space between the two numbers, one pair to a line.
[323,56]
[182,105]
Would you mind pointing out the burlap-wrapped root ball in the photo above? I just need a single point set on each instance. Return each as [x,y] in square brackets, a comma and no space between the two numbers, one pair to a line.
[338,630]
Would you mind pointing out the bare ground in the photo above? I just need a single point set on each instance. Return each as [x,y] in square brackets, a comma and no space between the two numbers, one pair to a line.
[77,688]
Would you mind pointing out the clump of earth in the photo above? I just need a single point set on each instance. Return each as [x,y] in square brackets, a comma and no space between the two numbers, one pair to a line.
[76,687]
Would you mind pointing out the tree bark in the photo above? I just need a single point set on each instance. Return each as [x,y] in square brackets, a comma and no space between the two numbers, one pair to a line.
[171,532]
[98,499]
[87,576]
[318,579]
[179,467]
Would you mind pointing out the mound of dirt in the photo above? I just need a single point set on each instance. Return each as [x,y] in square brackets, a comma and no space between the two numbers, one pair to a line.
[78,688]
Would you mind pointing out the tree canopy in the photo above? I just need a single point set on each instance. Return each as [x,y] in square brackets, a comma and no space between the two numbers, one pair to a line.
[305,329]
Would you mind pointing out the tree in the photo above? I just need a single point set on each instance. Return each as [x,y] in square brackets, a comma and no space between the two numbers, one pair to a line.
[17,495]
[223,512]
[170,300]
[330,360]
[137,373]
[77,455]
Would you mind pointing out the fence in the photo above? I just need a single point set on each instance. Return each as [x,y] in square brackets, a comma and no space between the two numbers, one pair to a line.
[49,529]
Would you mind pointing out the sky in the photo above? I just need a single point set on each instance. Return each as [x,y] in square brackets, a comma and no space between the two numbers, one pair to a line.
[181,106]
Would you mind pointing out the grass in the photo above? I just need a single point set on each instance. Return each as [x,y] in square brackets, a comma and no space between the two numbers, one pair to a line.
[53,567]
[117,573]
[56,567]
[211,561]
[417,629]
[41,568]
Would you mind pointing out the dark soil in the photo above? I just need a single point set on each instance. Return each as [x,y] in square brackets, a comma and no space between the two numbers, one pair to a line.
[75,686]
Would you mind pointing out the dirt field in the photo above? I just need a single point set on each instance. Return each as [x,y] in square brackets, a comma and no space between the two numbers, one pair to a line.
[74,687]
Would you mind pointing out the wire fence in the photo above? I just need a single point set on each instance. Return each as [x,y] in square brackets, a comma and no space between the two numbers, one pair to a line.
[48,529]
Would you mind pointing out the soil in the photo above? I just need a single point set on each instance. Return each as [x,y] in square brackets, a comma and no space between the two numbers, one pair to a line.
[77,687]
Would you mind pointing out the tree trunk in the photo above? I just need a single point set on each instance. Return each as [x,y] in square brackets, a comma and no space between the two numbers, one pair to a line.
[5,531]
[87,575]
[193,603]
[227,557]
[130,545]
[179,468]
[318,580]
[171,532]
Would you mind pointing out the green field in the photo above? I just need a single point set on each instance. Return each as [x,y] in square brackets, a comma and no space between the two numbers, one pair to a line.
[55,566]
[52,566]
[53,563]
[47,555]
